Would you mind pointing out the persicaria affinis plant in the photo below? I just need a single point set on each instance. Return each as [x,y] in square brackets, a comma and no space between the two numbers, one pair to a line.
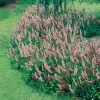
[54,52]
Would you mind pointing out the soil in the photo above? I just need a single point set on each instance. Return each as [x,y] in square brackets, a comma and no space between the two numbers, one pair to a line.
[9,6]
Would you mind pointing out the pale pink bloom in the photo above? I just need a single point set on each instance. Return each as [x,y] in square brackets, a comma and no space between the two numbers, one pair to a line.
[58,78]
[61,68]
[72,91]
[94,60]
[47,68]
[98,51]
[75,70]
[80,80]
[84,75]
[35,76]
[83,63]
[76,84]
[72,60]
[97,74]
[38,71]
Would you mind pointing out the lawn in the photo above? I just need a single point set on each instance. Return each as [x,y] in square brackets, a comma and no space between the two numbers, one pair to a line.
[91,8]
[11,85]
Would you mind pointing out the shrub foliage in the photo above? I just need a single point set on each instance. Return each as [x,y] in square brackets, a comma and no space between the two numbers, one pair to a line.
[53,56]
[2,2]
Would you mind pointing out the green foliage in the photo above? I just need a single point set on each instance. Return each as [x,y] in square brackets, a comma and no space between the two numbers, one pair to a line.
[23,4]
[3,2]
[29,2]
[89,92]
[90,1]
[93,29]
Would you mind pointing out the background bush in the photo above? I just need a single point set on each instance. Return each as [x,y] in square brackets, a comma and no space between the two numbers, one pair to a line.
[3,2]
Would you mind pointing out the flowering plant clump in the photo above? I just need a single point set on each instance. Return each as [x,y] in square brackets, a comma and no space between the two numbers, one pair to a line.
[55,56]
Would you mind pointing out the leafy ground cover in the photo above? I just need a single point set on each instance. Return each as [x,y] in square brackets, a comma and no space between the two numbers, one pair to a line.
[12,86]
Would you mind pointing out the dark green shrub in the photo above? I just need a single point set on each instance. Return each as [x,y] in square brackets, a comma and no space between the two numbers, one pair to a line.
[3,2]
[53,57]
[93,29]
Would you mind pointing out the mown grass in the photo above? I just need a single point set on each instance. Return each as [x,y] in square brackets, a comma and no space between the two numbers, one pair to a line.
[91,8]
[12,86]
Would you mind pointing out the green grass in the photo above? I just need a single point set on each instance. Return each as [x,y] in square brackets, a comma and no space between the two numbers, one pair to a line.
[12,86]
[23,4]
[91,8]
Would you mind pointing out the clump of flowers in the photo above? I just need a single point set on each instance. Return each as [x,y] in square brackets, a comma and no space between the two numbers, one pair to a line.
[51,49]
